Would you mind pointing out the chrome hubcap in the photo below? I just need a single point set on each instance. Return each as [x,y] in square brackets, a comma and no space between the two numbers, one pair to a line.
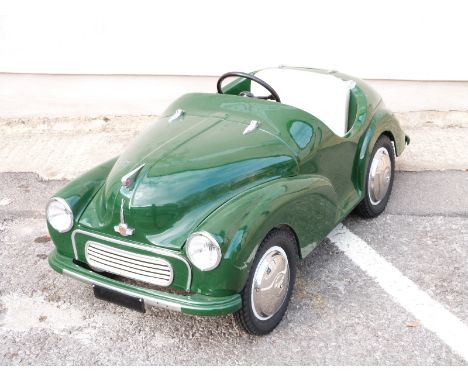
[379,176]
[270,283]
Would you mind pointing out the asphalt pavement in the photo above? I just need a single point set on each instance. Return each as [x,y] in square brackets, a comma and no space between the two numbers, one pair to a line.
[339,314]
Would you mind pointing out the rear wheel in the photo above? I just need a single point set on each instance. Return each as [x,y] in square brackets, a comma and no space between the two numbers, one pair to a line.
[268,290]
[379,179]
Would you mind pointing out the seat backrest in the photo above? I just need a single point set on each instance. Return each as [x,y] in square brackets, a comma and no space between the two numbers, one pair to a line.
[324,96]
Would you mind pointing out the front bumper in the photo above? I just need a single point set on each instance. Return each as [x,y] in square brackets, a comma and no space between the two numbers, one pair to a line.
[194,304]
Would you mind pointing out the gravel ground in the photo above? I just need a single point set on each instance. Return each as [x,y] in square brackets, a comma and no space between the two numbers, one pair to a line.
[338,315]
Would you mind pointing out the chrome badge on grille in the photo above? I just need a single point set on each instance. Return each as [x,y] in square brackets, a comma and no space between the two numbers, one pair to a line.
[123,228]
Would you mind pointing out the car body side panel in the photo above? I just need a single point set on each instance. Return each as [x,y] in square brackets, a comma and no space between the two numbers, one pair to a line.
[333,156]
[329,186]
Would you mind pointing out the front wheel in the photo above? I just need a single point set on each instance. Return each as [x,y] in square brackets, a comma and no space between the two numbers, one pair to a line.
[379,179]
[268,290]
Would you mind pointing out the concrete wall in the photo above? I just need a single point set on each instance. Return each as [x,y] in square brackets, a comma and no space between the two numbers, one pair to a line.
[135,56]
[388,39]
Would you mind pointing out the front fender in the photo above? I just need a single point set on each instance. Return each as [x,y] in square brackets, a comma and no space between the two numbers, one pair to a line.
[78,193]
[307,204]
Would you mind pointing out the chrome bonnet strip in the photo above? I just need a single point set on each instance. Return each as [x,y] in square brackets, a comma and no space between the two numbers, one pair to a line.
[153,301]
[156,250]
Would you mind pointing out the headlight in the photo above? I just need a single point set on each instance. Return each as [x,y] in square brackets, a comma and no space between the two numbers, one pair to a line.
[203,251]
[59,215]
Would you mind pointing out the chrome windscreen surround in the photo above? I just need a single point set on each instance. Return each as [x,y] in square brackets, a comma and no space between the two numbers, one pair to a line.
[149,269]
[160,252]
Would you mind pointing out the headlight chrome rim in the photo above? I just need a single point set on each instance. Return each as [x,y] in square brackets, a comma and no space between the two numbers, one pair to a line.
[68,211]
[213,241]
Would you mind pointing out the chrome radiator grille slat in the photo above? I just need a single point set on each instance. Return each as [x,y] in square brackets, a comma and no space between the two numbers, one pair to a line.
[127,261]
[149,269]
[121,266]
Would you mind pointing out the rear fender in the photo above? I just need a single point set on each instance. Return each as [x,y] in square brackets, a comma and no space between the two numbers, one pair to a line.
[383,122]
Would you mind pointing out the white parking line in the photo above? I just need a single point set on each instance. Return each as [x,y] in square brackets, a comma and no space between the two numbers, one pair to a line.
[429,312]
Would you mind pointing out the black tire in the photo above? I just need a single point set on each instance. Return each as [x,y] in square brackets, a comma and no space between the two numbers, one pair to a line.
[366,208]
[246,317]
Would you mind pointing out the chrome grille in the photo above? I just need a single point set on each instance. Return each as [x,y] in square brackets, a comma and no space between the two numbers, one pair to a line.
[149,269]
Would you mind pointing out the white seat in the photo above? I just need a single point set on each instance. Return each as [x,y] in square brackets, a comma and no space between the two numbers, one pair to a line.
[324,96]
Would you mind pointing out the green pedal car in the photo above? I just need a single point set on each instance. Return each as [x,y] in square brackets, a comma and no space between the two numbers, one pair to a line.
[210,209]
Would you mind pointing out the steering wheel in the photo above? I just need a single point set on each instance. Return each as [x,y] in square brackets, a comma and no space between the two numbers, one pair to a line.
[273,94]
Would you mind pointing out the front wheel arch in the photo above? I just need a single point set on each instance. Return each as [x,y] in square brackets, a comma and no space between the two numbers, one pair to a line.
[289,229]
[263,307]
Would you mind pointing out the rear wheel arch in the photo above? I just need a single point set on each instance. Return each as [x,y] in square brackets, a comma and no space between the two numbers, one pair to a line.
[390,136]
[383,123]
[382,161]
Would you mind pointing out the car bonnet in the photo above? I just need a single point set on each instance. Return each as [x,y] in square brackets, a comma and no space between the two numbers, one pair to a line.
[181,169]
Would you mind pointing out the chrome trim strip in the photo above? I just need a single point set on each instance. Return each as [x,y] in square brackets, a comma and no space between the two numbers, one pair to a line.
[153,301]
[156,250]
[127,231]
[122,217]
